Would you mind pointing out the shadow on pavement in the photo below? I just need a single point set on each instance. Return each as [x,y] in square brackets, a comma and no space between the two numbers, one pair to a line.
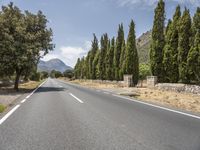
[50,89]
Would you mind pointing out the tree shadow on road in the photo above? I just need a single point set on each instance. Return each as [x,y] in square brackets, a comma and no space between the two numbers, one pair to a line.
[50,89]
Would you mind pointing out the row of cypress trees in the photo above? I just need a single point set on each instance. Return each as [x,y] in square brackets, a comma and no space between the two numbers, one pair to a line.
[175,49]
[174,52]
[113,59]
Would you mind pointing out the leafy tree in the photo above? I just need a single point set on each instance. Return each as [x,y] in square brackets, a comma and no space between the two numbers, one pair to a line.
[158,41]
[118,48]
[25,36]
[109,61]
[193,60]
[44,74]
[184,45]
[55,74]
[132,61]
[170,58]
[68,73]
[35,76]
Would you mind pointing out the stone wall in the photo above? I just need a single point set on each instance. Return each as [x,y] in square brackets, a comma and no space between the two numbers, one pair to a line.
[118,83]
[195,89]
[151,81]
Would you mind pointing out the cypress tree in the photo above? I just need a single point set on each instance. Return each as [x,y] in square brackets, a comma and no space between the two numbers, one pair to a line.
[170,58]
[132,61]
[87,72]
[122,61]
[195,24]
[193,60]
[103,51]
[109,60]
[96,65]
[184,45]
[117,53]
[76,69]
[158,41]
[94,49]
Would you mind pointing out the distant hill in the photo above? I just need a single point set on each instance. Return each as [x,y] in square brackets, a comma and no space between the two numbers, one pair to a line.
[143,46]
[53,64]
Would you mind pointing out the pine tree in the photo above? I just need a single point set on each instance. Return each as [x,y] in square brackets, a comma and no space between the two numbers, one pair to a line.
[109,60]
[118,48]
[170,58]
[184,45]
[193,60]
[158,41]
[94,49]
[132,61]
[103,51]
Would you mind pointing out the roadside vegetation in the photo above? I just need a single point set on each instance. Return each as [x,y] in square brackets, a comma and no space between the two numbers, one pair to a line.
[174,51]
[174,57]
[24,37]
[2,108]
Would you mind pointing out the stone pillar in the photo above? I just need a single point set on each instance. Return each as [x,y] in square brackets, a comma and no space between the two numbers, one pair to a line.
[128,80]
[152,81]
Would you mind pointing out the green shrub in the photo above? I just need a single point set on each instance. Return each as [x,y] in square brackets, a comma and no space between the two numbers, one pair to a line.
[2,108]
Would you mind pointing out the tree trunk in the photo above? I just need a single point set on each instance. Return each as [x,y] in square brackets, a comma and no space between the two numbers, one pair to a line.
[16,87]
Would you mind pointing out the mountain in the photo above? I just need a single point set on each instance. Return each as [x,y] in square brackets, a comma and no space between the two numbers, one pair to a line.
[143,47]
[53,64]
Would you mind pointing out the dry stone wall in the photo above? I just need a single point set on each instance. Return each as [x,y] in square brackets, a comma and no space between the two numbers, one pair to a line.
[195,89]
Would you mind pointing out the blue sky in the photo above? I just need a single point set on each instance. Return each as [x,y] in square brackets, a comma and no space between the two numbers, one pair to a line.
[74,21]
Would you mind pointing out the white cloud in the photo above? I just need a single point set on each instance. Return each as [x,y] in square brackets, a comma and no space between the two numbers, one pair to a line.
[69,54]
[153,2]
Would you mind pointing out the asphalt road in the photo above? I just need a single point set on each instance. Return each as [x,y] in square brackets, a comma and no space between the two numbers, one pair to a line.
[62,116]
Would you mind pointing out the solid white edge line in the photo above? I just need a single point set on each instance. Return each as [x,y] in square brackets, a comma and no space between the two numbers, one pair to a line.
[35,90]
[160,107]
[23,100]
[17,106]
[76,98]
[9,113]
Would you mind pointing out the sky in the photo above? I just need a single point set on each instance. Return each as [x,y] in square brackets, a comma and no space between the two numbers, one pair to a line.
[74,21]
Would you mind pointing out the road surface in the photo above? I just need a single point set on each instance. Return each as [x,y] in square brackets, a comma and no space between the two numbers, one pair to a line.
[62,116]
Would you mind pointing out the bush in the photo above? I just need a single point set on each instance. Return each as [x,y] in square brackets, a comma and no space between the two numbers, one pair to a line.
[36,76]
[68,74]
[55,74]
[44,75]
[2,108]
[144,71]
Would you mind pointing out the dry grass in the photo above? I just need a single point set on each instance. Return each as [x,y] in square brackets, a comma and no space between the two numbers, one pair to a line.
[30,85]
[8,95]
[95,84]
[185,101]
[190,102]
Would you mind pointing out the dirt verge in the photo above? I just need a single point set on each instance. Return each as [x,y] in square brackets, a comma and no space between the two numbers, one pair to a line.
[184,101]
[8,95]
